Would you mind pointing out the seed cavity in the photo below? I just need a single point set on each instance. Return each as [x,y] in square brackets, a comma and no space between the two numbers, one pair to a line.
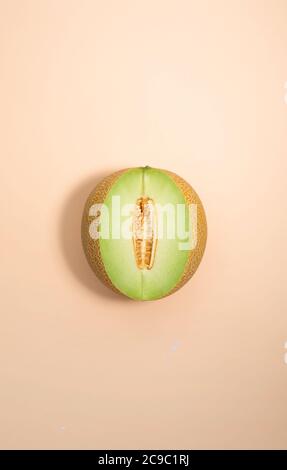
[144,230]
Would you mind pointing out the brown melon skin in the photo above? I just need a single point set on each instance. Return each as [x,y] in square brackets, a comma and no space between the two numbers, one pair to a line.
[195,256]
[92,247]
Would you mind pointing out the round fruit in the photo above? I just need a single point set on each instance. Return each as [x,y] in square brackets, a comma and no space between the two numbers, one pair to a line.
[144,232]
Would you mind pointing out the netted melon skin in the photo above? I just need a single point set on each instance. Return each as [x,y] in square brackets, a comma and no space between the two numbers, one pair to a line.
[92,247]
[195,256]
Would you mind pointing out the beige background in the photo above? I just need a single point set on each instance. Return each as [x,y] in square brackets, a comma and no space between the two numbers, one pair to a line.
[197,87]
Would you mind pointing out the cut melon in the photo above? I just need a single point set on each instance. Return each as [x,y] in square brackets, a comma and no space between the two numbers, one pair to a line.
[144,232]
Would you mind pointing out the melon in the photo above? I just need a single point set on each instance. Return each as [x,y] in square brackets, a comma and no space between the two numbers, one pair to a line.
[144,232]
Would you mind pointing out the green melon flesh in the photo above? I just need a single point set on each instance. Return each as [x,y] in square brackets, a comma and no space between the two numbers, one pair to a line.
[118,255]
